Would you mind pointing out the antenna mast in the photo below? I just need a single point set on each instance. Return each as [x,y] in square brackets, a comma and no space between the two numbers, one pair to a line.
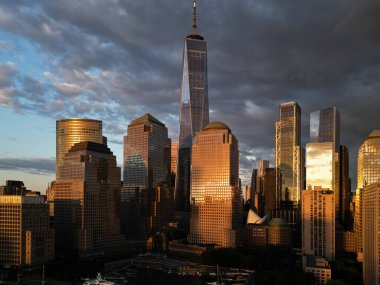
[195,18]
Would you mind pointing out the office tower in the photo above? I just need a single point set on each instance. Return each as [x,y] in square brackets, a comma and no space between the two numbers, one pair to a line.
[173,163]
[86,196]
[368,173]
[247,193]
[344,187]
[253,199]
[216,208]
[194,112]
[72,131]
[322,153]
[264,188]
[318,223]
[371,229]
[26,236]
[289,157]
[147,198]
[174,156]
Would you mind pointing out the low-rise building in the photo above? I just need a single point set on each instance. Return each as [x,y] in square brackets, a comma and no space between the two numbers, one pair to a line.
[26,236]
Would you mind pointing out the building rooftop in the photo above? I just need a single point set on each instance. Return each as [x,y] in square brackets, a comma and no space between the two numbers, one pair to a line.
[195,37]
[147,118]
[374,134]
[216,125]
[90,146]
[277,222]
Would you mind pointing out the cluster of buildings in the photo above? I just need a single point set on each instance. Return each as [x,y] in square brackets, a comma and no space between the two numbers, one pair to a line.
[193,185]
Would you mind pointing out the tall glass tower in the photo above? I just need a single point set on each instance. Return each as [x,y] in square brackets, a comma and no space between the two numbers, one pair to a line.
[194,113]
[289,156]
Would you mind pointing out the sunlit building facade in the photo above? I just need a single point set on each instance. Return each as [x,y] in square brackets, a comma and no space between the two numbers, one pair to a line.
[289,156]
[147,202]
[25,233]
[371,229]
[263,188]
[368,173]
[318,223]
[216,208]
[86,197]
[72,131]
[194,112]
[344,187]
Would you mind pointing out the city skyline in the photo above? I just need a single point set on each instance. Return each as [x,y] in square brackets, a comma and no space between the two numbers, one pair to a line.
[54,60]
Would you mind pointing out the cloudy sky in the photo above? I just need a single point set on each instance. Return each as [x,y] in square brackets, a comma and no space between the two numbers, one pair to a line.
[115,60]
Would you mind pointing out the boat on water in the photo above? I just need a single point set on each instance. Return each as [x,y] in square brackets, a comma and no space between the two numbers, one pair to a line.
[98,281]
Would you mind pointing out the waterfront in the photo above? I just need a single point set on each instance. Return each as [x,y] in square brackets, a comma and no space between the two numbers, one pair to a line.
[158,269]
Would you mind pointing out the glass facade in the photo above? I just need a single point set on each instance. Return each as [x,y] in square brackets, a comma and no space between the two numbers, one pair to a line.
[289,156]
[325,126]
[194,112]
[72,131]
[319,165]
[368,173]
[216,200]
[147,198]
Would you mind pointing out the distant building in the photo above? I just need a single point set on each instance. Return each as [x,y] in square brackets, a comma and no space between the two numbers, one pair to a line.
[371,236]
[318,223]
[216,208]
[255,232]
[350,242]
[72,131]
[279,233]
[263,188]
[147,197]
[319,267]
[26,236]
[174,156]
[86,196]
[344,188]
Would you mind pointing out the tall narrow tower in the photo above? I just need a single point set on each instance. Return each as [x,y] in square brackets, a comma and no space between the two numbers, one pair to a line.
[194,113]
[289,156]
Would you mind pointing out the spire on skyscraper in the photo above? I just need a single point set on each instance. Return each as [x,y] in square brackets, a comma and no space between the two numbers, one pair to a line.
[195,18]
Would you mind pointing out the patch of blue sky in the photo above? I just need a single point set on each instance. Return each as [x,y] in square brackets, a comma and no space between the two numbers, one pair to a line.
[26,135]
[29,60]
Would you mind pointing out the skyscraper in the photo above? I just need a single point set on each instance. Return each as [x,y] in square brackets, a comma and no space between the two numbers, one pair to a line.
[72,131]
[288,155]
[344,187]
[86,199]
[216,199]
[371,229]
[194,112]
[147,199]
[318,223]
[368,173]
[263,188]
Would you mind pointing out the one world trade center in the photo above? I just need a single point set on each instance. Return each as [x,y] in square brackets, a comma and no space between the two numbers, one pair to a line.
[194,112]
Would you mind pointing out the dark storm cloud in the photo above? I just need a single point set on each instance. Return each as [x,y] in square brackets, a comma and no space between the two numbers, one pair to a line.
[41,166]
[116,60]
